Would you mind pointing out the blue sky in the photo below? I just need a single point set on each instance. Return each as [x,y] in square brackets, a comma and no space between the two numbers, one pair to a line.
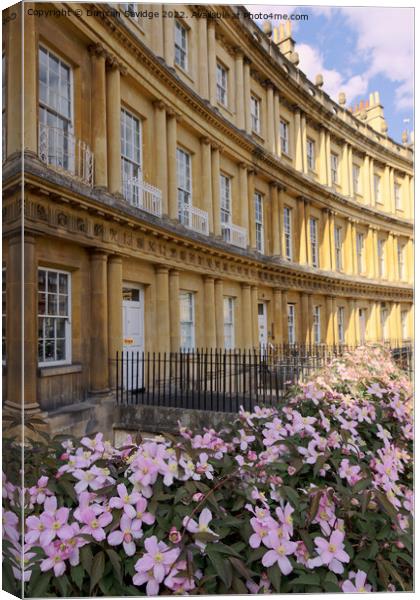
[358,50]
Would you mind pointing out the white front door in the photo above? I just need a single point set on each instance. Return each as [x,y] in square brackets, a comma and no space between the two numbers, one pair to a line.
[262,323]
[133,334]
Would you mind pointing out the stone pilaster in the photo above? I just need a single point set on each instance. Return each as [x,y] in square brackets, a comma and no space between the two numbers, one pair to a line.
[99,381]
[160,149]
[304,138]
[303,247]
[203,65]
[247,94]
[275,219]
[298,141]
[239,89]
[279,310]
[211,49]
[218,302]
[168,37]
[162,309]
[113,123]
[271,140]
[305,334]
[174,311]
[14,86]
[206,180]
[98,116]
[172,174]
[30,68]
[246,316]
[215,188]
[248,204]
[115,318]
[254,316]
[209,312]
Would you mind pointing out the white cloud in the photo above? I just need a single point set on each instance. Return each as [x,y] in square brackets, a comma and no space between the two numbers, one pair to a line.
[312,63]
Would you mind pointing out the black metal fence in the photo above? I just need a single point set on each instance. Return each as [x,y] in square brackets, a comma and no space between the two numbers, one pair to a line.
[217,380]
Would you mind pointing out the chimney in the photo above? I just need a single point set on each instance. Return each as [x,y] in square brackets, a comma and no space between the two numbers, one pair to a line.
[282,37]
[372,112]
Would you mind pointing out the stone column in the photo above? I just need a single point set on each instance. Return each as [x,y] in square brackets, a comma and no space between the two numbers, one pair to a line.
[172,175]
[99,381]
[247,94]
[372,188]
[168,35]
[330,310]
[21,386]
[374,260]
[350,167]
[304,153]
[323,165]
[345,171]
[366,180]
[113,122]
[275,218]
[410,257]
[391,191]
[162,309]
[160,149]
[215,188]
[298,142]
[285,339]
[310,331]
[159,35]
[115,317]
[98,116]
[305,333]
[254,316]
[243,196]
[325,254]
[270,119]
[206,179]
[209,313]
[349,266]
[218,301]
[398,329]
[279,308]
[386,189]
[331,218]
[174,311]
[239,89]
[392,268]
[277,142]
[246,316]
[328,157]
[203,65]
[14,87]
[249,210]
[30,66]
[353,326]
[303,250]
[211,45]
[281,191]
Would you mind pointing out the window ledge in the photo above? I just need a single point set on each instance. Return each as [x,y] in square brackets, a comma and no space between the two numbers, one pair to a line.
[59,370]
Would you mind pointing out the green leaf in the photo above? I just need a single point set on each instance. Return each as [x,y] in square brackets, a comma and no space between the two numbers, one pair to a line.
[307,579]
[239,587]
[86,558]
[313,509]
[291,495]
[77,575]
[42,584]
[240,567]
[274,575]
[63,584]
[223,549]
[116,563]
[361,485]
[68,488]
[98,568]
[222,567]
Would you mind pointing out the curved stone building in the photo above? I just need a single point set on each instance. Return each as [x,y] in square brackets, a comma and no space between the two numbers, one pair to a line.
[186,185]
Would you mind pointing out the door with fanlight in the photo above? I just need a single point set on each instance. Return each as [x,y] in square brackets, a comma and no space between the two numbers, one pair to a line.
[133,335]
[262,323]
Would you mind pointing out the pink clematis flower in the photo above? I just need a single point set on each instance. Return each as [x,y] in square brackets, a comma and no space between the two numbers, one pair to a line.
[201,527]
[128,532]
[349,472]
[330,553]
[39,492]
[94,523]
[203,467]
[10,525]
[154,565]
[55,560]
[48,526]
[125,500]
[359,585]
[280,549]
[141,515]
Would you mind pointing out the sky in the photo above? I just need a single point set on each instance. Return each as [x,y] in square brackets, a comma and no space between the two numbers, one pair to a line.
[359,50]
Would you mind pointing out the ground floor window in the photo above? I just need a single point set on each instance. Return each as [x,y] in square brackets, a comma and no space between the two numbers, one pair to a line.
[340,320]
[317,324]
[404,328]
[291,335]
[229,322]
[187,318]
[54,330]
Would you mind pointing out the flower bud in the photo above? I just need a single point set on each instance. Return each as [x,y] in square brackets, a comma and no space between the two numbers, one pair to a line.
[291,470]
[174,535]
[198,496]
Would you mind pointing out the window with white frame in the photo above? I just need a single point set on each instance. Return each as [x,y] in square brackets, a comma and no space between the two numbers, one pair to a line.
[397,196]
[384,323]
[54,313]
[310,153]
[284,136]
[181,45]
[360,245]
[377,188]
[404,324]
[313,231]
[334,167]
[338,245]
[222,85]
[401,261]
[381,257]
[187,320]
[55,110]
[259,221]
[317,324]
[184,186]
[225,204]
[229,322]
[340,324]
[131,154]
[356,179]
[287,228]
[291,326]
[255,114]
